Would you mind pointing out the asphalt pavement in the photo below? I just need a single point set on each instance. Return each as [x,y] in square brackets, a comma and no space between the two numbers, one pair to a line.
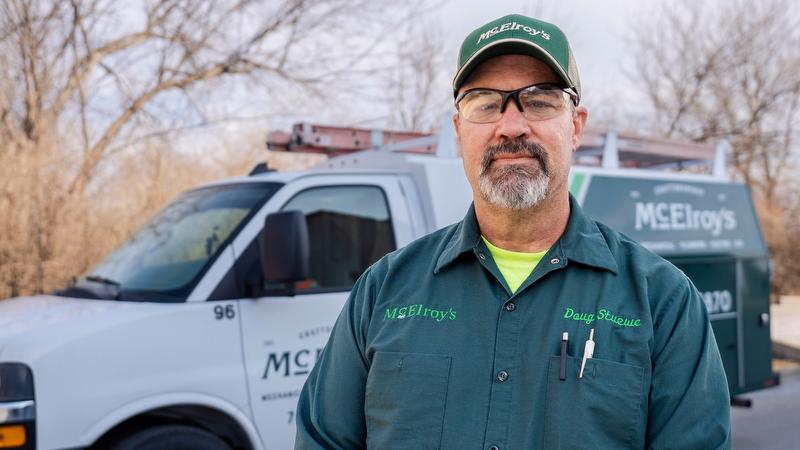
[773,422]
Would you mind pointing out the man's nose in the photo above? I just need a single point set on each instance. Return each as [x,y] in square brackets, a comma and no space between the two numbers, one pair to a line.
[512,123]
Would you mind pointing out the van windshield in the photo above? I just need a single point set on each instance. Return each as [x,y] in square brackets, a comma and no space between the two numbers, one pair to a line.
[165,259]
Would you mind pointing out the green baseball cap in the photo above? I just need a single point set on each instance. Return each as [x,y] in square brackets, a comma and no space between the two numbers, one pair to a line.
[517,34]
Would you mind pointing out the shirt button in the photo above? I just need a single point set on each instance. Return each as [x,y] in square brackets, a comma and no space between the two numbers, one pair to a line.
[555,261]
[502,376]
[481,256]
[494,447]
[510,306]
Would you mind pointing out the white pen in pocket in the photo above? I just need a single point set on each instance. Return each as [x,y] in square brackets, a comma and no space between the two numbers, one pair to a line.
[588,351]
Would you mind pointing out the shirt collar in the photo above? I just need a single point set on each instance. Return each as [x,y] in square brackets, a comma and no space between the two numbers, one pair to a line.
[467,236]
[581,242]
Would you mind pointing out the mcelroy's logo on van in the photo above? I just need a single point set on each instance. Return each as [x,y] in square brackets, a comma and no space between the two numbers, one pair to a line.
[418,311]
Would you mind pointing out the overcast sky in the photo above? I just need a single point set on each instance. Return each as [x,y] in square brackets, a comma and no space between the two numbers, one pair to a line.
[596,30]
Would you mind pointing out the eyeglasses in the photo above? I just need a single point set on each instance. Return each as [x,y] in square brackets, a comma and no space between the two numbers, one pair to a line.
[537,102]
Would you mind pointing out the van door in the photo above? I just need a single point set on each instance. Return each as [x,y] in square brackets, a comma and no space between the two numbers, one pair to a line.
[352,222]
[715,278]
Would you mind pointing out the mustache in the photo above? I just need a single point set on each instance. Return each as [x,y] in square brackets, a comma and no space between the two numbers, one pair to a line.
[516,147]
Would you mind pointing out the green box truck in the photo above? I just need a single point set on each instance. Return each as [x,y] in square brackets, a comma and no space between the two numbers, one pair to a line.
[680,203]
[708,228]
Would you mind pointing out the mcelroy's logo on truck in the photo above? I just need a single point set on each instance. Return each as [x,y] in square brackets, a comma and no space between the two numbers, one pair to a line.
[673,217]
[668,216]
[679,216]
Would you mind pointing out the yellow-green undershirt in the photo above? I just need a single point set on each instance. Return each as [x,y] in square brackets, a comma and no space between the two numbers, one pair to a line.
[514,266]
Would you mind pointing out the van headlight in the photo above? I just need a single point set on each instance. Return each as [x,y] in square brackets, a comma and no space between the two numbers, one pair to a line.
[16,382]
[17,407]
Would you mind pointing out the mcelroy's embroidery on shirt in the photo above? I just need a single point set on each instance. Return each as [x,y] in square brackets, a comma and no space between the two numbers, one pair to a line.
[602,314]
[418,310]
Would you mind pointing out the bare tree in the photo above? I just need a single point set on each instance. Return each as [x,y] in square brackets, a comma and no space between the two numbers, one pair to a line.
[66,66]
[728,70]
[83,80]
[419,85]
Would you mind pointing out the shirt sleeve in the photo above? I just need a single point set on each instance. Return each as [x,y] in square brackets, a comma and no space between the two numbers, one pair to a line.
[330,410]
[689,405]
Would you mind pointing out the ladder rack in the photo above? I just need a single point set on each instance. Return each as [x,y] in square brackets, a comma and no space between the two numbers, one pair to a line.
[334,141]
[599,148]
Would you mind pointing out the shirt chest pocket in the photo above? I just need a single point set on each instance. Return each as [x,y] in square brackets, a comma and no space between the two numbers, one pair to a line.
[604,409]
[405,400]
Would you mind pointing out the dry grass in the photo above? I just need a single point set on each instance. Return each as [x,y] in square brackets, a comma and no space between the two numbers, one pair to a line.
[47,237]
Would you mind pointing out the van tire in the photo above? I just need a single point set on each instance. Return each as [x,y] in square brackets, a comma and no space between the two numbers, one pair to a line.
[172,437]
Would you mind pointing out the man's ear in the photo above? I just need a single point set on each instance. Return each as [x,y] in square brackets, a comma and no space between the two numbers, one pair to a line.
[457,128]
[578,125]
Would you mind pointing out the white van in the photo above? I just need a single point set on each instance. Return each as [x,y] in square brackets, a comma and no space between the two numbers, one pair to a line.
[203,326]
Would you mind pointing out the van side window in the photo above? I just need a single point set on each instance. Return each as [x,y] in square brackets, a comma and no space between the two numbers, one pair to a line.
[349,229]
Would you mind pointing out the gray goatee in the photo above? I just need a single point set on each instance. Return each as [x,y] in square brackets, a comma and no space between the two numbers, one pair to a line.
[514,186]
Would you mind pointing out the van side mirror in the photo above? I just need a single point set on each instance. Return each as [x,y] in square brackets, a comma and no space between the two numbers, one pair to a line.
[285,250]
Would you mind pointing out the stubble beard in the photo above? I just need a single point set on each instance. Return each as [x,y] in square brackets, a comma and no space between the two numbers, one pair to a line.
[515,186]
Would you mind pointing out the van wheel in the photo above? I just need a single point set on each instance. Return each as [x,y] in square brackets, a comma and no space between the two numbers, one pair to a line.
[172,437]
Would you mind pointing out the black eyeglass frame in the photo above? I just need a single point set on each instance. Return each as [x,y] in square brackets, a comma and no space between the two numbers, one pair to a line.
[515,94]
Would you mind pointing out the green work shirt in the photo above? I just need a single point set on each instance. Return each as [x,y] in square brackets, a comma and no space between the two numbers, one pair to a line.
[432,350]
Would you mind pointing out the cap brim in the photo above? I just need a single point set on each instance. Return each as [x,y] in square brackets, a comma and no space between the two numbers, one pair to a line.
[509,46]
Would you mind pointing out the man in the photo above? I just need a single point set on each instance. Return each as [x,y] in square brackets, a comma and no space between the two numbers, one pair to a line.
[474,336]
